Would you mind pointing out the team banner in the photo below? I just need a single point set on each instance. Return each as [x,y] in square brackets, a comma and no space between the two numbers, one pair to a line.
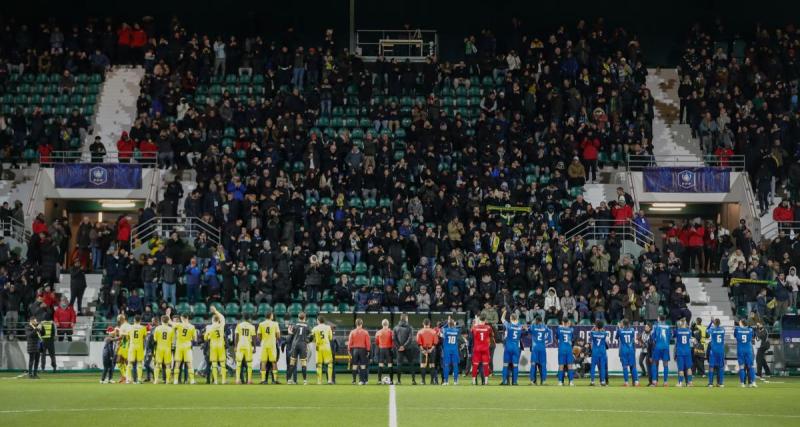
[687,180]
[92,175]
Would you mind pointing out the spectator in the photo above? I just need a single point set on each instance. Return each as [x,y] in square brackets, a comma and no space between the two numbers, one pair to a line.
[65,319]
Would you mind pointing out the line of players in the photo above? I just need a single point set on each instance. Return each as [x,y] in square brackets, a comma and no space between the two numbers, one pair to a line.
[174,337]
[127,343]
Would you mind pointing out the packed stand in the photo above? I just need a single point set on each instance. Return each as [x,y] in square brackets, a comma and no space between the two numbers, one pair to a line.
[50,80]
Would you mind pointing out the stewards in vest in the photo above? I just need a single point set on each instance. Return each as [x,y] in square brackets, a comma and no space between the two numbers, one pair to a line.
[48,332]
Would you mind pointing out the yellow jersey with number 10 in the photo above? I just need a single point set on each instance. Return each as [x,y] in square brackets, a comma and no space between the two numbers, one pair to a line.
[245,332]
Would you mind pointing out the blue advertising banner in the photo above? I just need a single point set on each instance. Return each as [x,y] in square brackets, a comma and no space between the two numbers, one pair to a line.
[687,180]
[96,175]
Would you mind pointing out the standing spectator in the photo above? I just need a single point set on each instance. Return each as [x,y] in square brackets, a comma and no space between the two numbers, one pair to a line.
[125,148]
[193,281]
[219,57]
[124,232]
[11,300]
[97,150]
[65,318]
[83,241]
[77,285]
[591,150]
[762,367]
[169,279]
[34,339]
[652,301]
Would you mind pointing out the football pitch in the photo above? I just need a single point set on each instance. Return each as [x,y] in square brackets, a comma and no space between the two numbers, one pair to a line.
[78,399]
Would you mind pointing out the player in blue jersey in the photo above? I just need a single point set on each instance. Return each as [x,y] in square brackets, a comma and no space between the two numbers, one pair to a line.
[661,336]
[598,338]
[716,353]
[744,354]
[683,353]
[450,336]
[511,348]
[540,336]
[566,359]
[627,352]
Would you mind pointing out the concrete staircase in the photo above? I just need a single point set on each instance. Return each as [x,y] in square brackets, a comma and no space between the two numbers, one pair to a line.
[709,300]
[116,109]
[669,136]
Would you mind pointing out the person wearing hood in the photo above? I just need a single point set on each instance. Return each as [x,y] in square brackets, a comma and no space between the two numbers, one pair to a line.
[125,148]
[552,304]
[64,317]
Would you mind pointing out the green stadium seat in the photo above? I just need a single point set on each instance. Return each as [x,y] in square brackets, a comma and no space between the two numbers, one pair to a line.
[200,309]
[312,309]
[263,309]
[328,308]
[280,310]
[198,320]
[376,281]
[232,309]
[585,322]
[249,308]
[361,281]
[361,268]
[218,306]
[345,268]
[344,308]
[183,308]
[295,309]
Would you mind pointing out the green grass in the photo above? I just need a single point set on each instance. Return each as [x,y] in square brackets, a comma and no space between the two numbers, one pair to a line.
[77,399]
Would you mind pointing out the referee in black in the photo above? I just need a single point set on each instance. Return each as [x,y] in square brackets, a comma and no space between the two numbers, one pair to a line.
[404,346]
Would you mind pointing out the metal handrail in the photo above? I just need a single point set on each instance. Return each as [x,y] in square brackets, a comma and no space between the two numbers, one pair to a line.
[34,194]
[77,156]
[638,162]
[758,233]
[632,187]
[161,226]
[597,229]
[13,228]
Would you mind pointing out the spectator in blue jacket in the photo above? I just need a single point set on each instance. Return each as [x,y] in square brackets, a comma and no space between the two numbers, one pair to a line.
[193,273]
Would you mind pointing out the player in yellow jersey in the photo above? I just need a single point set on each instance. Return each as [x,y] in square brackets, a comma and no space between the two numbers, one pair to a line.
[322,335]
[268,333]
[215,335]
[245,331]
[121,332]
[136,335]
[185,334]
[163,335]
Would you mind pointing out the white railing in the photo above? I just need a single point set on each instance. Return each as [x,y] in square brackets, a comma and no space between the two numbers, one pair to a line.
[599,229]
[77,156]
[411,44]
[14,229]
[186,227]
[640,162]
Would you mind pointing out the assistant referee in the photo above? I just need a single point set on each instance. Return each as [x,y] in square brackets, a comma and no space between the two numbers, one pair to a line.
[358,344]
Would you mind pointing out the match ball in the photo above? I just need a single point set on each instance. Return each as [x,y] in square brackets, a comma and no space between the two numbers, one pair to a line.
[387,380]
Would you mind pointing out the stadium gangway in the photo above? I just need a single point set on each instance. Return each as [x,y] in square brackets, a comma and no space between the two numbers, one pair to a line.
[791,228]
[599,229]
[77,156]
[164,226]
[635,162]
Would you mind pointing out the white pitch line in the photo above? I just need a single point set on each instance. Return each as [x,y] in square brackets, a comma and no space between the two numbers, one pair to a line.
[175,408]
[392,407]
[14,378]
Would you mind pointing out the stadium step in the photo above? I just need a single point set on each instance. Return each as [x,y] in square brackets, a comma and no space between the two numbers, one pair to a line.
[669,136]
[116,108]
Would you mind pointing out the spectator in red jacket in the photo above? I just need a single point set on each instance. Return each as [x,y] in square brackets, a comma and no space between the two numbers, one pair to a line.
[783,212]
[622,212]
[148,149]
[64,318]
[39,225]
[124,232]
[125,147]
[138,41]
[124,35]
[724,154]
[591,150]
[695,247]
[49,296]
